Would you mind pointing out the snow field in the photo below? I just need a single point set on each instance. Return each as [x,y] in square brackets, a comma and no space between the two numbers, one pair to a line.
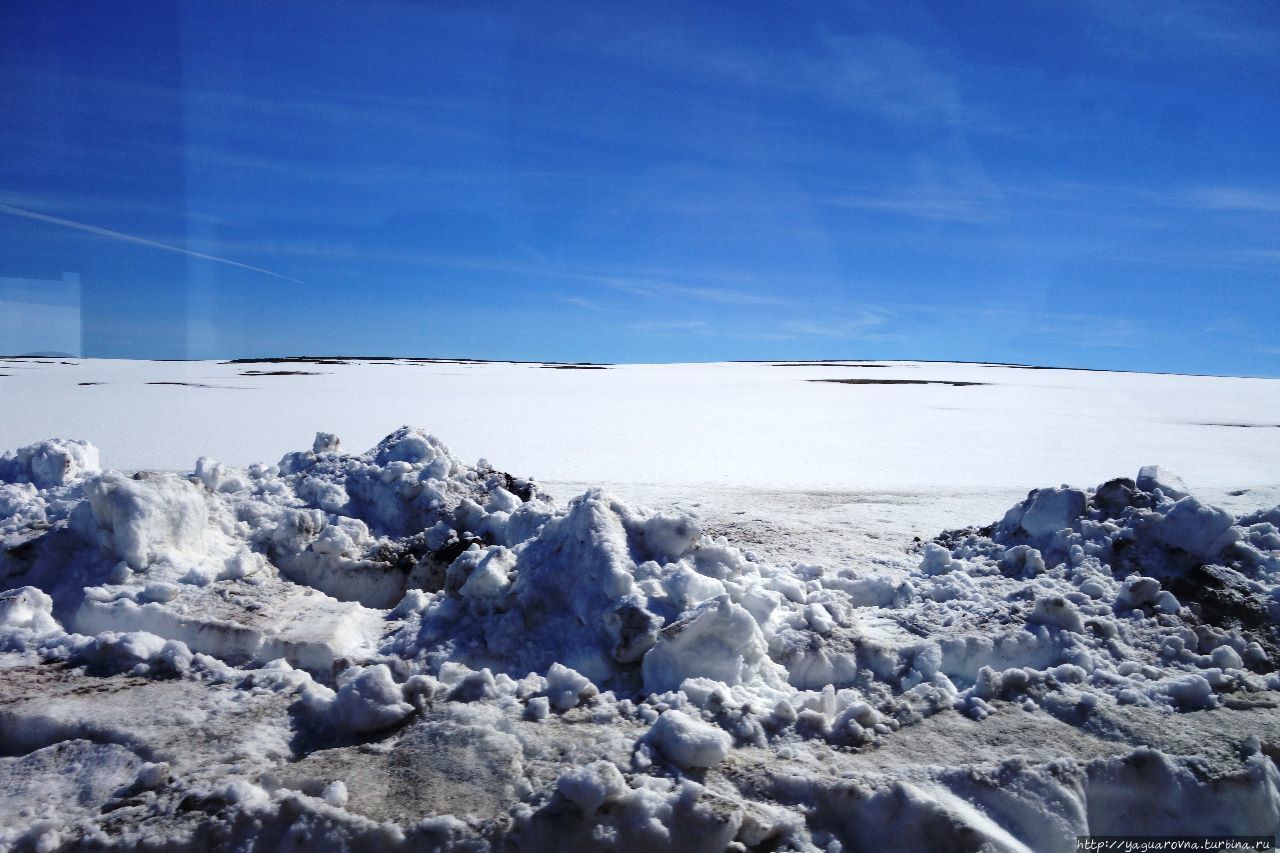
[784,426]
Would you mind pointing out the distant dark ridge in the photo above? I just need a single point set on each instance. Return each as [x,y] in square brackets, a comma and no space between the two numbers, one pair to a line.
[892,361]
[832,363]
[829,362]
[348,359]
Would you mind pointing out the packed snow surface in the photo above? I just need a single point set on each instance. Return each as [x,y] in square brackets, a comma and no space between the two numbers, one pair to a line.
[397,649]
[885,426]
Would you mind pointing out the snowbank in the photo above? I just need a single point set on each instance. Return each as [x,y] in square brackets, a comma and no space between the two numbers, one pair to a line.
[401,593]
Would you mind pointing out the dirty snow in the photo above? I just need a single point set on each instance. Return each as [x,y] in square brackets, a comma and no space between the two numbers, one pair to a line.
[398,647]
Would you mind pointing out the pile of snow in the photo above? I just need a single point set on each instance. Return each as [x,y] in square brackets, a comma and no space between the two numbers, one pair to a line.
[377,594]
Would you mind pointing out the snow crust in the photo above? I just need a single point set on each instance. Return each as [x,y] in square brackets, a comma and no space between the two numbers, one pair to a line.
[620,677]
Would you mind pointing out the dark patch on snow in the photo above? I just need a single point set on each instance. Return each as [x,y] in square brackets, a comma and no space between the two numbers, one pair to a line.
[579,366]
[1242,426]
[283,373]
[197,385]
[915,362]
[1115,496]
[449,551]
[835,364]
[91,383]
[954,384]
[522,488]
[437,562]
[1221,597]
[401,555]
[291,359]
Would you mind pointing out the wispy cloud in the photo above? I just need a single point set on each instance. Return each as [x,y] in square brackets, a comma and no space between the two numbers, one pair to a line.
[1237,198]
[657,289]
[1263,256]
[730,288]
[833,325]
[941,207]
[1204,25]
[579,302]
[877,73]
[138,241]
[672,327]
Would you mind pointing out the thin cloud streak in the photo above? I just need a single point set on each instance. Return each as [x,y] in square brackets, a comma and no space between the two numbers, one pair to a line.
[1236,198]
[139,241]
[965,209]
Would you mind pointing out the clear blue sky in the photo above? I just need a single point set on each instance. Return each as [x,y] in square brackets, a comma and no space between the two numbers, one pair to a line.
[1090,184]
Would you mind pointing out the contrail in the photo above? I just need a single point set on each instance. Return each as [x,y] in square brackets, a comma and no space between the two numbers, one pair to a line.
[129,238]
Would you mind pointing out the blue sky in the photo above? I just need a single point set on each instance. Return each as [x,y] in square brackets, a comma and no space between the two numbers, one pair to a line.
[1088,184]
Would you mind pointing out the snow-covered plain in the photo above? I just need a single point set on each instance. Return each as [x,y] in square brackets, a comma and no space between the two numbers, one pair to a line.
[766,631]
[756,425]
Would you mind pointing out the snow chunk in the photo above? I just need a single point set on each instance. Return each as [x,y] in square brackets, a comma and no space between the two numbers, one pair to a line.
[335,794]
[688,743]
[28,610]
[1191,691]
[1051,510]
[47,464]
[1057,612]
[369,699]
[1136,592]
[416,448]
[592,786]
[326,442]
[1200,530]
[1152,477]
[936,560]
[720,641]
[141,520]
[670,536]
[566,688]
